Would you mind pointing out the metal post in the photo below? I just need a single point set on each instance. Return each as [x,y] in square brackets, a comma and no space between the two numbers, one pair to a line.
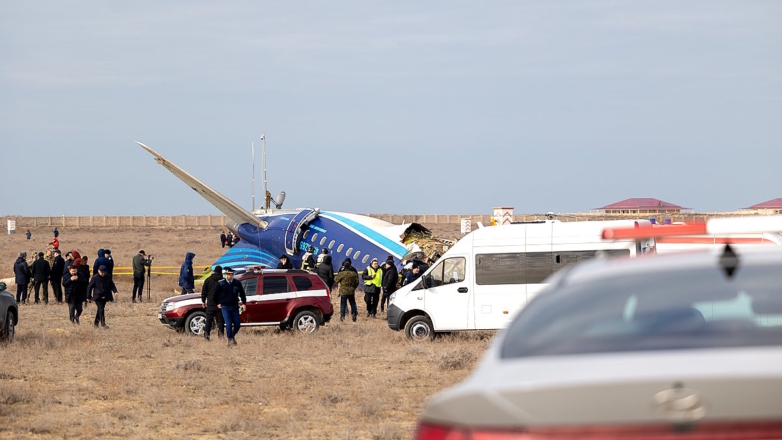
[252,208]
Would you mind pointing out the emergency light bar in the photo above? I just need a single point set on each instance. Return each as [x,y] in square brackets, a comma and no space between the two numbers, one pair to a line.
[714,226]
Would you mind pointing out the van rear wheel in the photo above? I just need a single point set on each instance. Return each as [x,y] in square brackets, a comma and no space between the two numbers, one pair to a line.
[419,328]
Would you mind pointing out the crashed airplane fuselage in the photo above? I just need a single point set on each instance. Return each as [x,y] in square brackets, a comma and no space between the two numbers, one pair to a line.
[265,237]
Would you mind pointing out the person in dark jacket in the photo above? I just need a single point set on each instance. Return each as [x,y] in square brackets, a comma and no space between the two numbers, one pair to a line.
[186,279]
[110,266]
[100,261]
[29,234]
[22,277]
[41,273]
[347,279]
[209,303]
[75,284]
[58,267]
[56,233]
[223,239]
[326,272]
[68,261]
[285,263]
[390,278]
[348,266]
[140,263]
[230,298]
[100,290]
[84,266]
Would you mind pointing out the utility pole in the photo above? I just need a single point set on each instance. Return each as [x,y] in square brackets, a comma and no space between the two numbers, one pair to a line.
[265,191]
[253,148]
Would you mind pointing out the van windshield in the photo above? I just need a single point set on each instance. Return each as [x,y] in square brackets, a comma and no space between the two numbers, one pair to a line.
[684,309]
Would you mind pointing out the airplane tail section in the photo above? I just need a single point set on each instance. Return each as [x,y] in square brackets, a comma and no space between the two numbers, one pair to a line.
[219,201]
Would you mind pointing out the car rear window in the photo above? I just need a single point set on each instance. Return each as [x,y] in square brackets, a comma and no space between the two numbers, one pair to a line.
[274,284]
[685,309]
[302,283]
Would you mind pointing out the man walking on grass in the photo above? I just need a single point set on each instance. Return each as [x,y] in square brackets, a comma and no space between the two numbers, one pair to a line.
[75,284]
[100,290]
[230,298]
[207,299]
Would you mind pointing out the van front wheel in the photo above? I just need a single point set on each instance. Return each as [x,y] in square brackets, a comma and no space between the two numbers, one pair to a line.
[419,328]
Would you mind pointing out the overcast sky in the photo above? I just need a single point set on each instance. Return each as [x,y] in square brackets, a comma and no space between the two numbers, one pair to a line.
[390,107]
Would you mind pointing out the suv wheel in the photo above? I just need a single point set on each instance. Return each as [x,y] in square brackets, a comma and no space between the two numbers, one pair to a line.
[7,332]
[196,323]
[419,328]
[306,322]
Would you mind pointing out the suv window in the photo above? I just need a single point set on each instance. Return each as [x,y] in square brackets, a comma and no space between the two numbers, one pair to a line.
[250,286]
[275,284]
[302,283]
[675,309]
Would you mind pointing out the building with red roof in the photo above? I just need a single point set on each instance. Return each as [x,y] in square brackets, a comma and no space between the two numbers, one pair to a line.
[642,206]
[773,206]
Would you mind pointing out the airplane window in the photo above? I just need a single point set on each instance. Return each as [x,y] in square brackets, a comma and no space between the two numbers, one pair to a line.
[306,233]
[331,245]
[339,249]
[366,257]
[348,251]
[355,257]
[322,240]
[314,237]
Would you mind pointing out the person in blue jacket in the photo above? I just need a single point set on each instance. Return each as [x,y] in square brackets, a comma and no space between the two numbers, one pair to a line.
[101,261]
[186,280]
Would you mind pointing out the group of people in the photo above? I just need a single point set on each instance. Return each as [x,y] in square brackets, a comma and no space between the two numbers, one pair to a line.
[228,240]
[70,280]
[380,281]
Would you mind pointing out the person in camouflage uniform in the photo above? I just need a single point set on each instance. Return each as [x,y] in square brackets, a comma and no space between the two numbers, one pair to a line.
[49,257]
[347,279]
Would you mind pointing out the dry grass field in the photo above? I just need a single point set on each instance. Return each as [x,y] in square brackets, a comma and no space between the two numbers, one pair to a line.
[138,379]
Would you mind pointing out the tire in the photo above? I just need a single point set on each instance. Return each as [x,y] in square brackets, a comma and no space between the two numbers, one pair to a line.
[195,323]
[419,328]
[9,328]
[306,322]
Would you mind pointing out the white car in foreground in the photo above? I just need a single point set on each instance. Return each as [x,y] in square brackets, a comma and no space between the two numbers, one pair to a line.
[667,347]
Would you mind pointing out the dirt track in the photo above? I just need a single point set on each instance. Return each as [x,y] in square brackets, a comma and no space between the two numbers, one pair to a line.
[139,379]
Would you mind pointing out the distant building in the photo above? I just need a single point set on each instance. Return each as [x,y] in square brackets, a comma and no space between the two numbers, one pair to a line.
[642,206]
[773,206]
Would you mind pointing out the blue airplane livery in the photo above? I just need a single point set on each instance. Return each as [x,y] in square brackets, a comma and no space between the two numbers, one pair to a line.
[268,235]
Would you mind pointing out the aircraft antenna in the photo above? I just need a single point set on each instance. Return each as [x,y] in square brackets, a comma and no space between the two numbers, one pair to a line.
[265,191]
[253,148]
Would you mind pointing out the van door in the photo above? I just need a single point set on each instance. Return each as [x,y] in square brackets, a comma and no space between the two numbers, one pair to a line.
[447,294]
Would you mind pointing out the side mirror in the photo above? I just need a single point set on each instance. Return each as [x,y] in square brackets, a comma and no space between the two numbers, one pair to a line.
[428,281]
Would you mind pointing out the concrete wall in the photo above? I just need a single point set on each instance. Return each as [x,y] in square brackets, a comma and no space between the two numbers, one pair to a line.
[207,221]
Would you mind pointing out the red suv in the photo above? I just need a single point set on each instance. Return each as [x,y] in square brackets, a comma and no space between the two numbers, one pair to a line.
[287,298]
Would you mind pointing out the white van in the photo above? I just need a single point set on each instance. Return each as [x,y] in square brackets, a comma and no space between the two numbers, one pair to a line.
[493,272]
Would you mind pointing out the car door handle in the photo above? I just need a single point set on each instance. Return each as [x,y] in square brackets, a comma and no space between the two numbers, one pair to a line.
[462,290]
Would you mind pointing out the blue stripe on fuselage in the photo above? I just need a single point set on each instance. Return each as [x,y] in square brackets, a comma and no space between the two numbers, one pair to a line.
[395,248]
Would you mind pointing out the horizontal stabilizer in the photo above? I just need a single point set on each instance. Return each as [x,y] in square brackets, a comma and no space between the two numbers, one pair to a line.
[219,201]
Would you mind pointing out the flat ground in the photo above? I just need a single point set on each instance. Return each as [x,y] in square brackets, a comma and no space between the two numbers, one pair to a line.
[140,379]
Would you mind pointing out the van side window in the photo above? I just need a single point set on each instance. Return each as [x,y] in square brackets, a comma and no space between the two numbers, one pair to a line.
[448,271]
[493,269]
[539,266]
[275,284]
[562,259]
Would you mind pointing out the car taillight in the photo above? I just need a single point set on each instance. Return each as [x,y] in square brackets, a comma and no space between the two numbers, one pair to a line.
[703,431]
[328,293]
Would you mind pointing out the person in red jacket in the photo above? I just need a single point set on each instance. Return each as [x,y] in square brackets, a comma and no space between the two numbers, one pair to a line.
[55,243]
